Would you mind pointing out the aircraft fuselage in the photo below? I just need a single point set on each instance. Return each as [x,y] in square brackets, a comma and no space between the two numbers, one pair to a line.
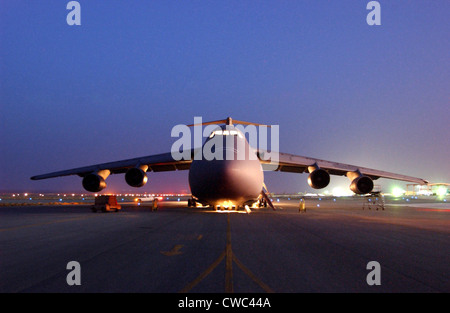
[228,173]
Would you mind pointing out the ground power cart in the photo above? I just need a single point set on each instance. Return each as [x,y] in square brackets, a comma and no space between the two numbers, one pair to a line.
[106,204]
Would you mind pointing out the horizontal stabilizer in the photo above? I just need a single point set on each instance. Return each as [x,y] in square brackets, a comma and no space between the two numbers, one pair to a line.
[228,121]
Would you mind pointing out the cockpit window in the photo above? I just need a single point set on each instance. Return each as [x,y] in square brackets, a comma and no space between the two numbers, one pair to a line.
[222,132]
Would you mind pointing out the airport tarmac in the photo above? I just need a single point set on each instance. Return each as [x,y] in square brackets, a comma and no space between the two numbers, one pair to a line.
[178,249]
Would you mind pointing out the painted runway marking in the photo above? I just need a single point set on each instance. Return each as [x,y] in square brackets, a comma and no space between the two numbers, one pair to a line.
[174,251]
[229,260]
[229,257]
[252,276]
[204,274]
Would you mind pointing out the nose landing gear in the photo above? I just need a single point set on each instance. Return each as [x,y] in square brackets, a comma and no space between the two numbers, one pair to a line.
[265,200]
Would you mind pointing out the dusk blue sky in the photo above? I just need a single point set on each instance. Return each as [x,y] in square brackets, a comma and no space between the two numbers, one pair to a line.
[113,88]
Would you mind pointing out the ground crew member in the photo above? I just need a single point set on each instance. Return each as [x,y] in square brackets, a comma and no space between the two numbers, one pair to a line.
[302,207]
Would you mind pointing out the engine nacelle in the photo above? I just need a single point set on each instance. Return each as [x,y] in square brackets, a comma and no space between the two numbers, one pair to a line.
[136,177]
[94,183]
[361,185]
[319,178]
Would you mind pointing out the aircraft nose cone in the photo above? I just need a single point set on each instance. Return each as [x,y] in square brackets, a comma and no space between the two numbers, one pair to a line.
[221,180]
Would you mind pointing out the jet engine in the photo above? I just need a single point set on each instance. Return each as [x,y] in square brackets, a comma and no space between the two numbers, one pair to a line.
[94,182]
[136,177]
[361,184]
[318,178]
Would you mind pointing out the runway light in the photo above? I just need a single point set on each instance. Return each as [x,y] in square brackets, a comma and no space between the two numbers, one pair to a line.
[341,192]
[397,192]
[441,191]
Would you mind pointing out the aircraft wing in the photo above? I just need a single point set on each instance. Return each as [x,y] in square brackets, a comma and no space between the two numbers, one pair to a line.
[155,163]
[299,164]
